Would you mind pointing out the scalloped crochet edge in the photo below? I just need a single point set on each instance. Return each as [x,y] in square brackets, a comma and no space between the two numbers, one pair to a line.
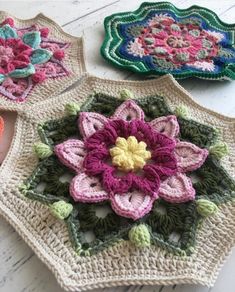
[226,74]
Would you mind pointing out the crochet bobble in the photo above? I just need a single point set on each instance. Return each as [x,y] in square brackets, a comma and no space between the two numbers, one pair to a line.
[42,150]
[72,109]
[9,21]
[126,94]
[59,54]
[181,111]
[206,208]
[219,150]
[139,235]
[44,32]
[61,209]
[39,77]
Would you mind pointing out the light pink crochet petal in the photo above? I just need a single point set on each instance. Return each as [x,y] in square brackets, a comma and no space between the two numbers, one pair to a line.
[71,153]
[128,111]
[132,205]
[189,156]
[166,125]
[84,188]
[177,189]
[90,122]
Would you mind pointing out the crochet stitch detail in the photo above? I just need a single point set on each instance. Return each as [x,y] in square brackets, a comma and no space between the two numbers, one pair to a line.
[159,38]
[27,57]
[167,214]
[129,154]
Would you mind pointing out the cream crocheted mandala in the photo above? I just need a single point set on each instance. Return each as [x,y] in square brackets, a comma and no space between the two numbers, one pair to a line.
[112,186]
[38,59]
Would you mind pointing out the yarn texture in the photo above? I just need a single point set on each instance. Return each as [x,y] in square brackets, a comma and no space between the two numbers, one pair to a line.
[37,59]
[159,38]
[94,249]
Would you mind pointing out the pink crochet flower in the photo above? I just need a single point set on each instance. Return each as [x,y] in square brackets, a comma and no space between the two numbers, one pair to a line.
[132,192]
[178,43]
[14,54]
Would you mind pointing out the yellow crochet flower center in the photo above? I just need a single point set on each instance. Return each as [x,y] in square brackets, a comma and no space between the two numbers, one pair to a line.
[129,154]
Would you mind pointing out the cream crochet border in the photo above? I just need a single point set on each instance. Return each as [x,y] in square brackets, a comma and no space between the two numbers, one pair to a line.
[73,61]
[122,264]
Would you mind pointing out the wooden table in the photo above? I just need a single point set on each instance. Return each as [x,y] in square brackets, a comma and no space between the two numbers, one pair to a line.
[20,269]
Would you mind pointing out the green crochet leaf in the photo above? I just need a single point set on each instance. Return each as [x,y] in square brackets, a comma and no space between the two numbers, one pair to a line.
[32,39]
[21,73]
[40,56]
[2,77]
[7,32]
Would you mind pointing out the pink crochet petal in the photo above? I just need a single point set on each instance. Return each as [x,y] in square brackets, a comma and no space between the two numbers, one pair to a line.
[177,189]
[87,189]
[129,111]
[132,205]
[90,122]
[189,156]
[166,125]
[71,153]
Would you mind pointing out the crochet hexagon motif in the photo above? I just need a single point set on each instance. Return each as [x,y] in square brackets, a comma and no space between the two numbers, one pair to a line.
[158,38]
[31,53]
[147,204]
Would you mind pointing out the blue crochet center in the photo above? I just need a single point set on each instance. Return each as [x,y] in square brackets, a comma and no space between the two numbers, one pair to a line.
[148,60]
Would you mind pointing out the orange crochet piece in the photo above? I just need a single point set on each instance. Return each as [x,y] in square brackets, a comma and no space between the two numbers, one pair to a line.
[1,126]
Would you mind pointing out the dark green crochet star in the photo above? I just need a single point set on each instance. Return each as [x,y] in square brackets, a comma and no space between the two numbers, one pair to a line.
[170,226]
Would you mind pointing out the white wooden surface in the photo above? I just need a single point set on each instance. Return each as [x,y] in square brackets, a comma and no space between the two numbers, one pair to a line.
[20,269]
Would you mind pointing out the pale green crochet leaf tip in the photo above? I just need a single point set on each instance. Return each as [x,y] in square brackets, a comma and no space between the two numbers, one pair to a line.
[181,111]
[139,235]
[206,208]
[126,94]
[61,209]
[219,150]
[72,109]
[42,150]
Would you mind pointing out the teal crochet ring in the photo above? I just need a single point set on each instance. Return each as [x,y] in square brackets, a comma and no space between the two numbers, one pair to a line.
[159,38]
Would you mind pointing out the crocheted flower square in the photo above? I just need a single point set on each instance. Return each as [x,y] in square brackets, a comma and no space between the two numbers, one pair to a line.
[37,59]
[120,182]
[136,158]
[159,38]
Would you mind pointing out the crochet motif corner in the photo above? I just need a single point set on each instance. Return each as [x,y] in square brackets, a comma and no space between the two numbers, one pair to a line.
[28,56]
[156,175]
[158,38]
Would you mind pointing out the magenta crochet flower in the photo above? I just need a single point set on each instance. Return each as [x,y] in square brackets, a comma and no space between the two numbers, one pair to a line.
[14,54]
[129,161]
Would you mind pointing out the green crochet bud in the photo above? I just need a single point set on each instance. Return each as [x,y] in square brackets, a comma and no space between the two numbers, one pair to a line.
[126,94]
[219,150]
[72,109]
[181,112]
[61,209]
[206,208]
[42,150]
[139,235]
[23,188]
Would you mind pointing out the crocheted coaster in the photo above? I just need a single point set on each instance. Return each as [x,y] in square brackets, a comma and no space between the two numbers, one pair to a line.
[159,38]
[133,187]
[37,58]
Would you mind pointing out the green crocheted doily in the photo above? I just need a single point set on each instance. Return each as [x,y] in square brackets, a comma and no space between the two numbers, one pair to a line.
[159,38]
